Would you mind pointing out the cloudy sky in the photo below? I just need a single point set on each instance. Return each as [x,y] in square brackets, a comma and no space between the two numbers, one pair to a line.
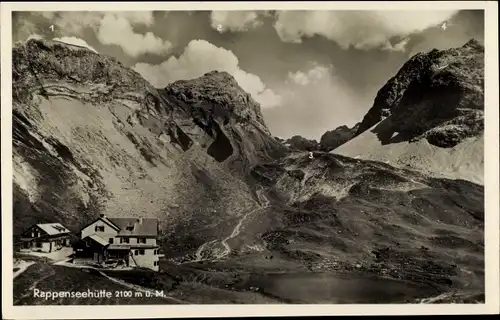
[311,71]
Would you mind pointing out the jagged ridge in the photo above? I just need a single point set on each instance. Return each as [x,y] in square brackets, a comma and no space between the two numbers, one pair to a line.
[91,136]
[436,95]
[340,135]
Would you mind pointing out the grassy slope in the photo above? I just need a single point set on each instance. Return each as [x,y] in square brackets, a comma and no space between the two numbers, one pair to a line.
[396,233]
[389,222]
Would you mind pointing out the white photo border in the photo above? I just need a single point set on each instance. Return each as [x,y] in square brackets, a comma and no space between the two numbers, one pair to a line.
[491,181]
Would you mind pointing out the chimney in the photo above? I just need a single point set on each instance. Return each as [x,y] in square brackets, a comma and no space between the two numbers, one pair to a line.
[139,220]
[102,215]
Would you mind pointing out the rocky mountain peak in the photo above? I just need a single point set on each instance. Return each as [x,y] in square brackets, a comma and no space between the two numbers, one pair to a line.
[475,44]
[221,76]
[87,126]
[221,89]
[340,135]
[40,64]
[436,95]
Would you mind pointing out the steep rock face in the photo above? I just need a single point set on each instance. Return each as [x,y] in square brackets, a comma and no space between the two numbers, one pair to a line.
[91,136]
[438,96]
[233,129]
[340,135]
[429,117]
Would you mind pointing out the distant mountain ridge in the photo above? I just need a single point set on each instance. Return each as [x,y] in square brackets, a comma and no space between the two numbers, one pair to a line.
[329,140]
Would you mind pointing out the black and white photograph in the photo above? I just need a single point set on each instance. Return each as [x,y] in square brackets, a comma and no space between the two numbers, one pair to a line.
[249,157]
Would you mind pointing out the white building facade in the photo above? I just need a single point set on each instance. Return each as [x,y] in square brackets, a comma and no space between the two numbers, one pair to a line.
[132,240]
[45,238]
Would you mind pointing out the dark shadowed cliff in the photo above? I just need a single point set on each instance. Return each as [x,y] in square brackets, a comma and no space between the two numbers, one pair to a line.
[437,95]
[340,135]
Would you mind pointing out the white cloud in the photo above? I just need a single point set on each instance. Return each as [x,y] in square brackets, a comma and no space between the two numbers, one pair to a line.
[269,99]
[75,41]
[400,46]
[117,30]
[359,29]
[200,57]
[46,14]
[111,28]
[23,29]
[314,99]
[311,76]
[135,17]
[73,22]
[234,21]
[76,21]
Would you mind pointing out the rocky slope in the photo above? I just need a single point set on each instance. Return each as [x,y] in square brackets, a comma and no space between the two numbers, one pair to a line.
[329,216]
[224,119]
[437,95]
[434,105]
[343,212]
[91,136]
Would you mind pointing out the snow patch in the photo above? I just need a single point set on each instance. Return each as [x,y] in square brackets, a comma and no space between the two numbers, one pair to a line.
[464,161]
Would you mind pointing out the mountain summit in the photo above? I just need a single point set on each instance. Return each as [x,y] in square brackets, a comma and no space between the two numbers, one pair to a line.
[88,128]
[432,110]
[437,95]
